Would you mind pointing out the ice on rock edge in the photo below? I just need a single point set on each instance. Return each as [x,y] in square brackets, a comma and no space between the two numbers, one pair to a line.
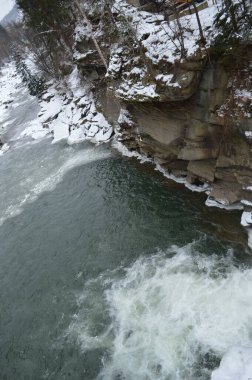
[246,219]
[223,204]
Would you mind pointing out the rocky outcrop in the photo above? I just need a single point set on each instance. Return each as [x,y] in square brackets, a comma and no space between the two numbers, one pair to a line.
[191,115]
[191,138]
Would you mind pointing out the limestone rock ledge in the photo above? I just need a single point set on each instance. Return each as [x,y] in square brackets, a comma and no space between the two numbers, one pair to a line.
[195,139]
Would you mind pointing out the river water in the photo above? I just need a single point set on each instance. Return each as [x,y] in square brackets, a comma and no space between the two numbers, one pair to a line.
[109,271]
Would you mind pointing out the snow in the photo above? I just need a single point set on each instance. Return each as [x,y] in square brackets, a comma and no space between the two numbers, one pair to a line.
[223,205]
[246,219]
[236,364]
[50,111]
[81,31]
[248,134]
[6,7]
[159,43]
[243,94]
[135,89]
[68,110]
[4,149]
[249,230]
[124,117]
[156,37]
[243,97]
[127,153]
[60,129]
[12,88]
[115,65]
[167,80]
[246,202]
[34,130]
[10,84]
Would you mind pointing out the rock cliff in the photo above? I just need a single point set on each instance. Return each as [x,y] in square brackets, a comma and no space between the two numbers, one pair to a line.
[191,115]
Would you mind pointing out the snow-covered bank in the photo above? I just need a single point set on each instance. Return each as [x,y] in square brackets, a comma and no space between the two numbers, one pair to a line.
[160,42]
[10,84]
[17,109]
[68,111]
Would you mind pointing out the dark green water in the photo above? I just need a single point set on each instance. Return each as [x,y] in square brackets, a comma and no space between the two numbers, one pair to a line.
[108,272]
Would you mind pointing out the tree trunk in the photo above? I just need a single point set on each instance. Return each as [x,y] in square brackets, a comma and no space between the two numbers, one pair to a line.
[198,21]
[230,7]
[76,3]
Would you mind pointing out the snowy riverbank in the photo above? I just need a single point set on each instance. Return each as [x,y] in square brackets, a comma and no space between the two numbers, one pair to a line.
[67,110]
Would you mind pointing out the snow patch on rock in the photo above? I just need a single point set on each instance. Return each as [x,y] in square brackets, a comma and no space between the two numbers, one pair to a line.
[68,110]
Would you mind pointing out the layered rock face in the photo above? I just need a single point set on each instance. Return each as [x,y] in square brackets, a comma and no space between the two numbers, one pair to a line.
[192,115]
[191,138]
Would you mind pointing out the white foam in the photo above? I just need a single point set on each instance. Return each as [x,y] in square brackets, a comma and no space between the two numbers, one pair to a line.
[236,364]
[50,182]
[168,312]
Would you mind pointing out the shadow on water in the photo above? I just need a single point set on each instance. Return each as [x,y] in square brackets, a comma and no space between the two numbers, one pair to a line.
[102,215]
[224,224]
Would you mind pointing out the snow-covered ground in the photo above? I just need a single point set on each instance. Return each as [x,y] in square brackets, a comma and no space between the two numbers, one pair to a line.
[158,39]
[65,114]
[9,85]
[72,114]
[160,44]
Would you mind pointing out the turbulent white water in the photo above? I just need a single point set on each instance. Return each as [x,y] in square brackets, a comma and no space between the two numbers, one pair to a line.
[171,313]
